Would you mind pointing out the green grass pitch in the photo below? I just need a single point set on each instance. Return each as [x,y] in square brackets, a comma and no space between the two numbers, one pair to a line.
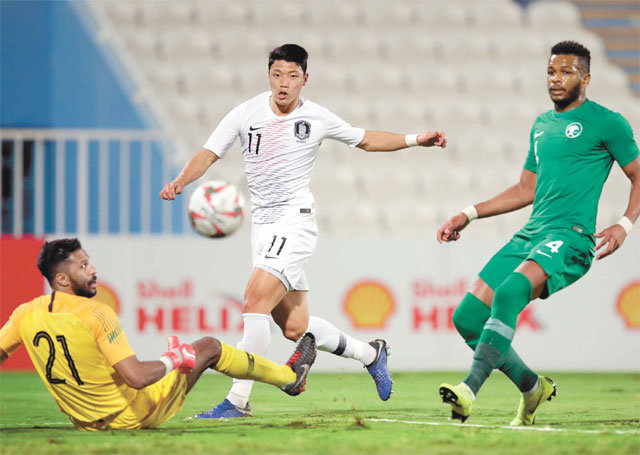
[594,413]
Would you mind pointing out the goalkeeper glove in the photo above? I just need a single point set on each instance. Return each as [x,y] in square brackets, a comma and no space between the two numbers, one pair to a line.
[179,356]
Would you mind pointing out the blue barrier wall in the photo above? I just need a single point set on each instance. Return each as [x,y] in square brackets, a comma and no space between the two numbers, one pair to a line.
[54,75]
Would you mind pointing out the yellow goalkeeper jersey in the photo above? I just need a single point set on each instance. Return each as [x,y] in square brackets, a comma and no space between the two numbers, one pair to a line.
[73,343]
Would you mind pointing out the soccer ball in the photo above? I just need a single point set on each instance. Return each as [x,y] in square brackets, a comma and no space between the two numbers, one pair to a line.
[216,209]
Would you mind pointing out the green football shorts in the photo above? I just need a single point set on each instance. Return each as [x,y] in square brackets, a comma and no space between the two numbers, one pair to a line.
[563,254]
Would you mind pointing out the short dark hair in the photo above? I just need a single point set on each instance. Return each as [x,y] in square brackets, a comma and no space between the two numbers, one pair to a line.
[290,53]
[53,253]
[573,48]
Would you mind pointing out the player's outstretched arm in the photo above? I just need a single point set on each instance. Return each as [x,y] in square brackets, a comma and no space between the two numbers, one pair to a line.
[613,236]
[138,374]
[3,356]
[382,141]
[191,171]
[513,198]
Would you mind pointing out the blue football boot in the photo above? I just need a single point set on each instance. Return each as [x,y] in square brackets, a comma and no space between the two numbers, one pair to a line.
[225,410]
[379,370]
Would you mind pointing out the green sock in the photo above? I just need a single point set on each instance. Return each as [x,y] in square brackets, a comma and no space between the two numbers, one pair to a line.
[469,319]
[495,341]
[520,374]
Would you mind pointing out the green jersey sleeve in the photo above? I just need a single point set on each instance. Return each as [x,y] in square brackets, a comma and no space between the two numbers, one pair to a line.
[619,140]
[531,164]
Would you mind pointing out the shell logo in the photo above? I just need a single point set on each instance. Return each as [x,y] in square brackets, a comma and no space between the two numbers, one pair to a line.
[106,294]
[629,305]
[369,304]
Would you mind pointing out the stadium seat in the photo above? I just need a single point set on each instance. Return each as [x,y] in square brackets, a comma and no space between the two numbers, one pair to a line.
[336,14]
[460,112]
[393,78]
[516,116]
[519,45]
[124,14]
[459,48]
[187,46]
[236,44]
[327,77]
[414,216]
[208,77]
[553,14]
[443,14]
[602,78]
[478,77]
[143,45]
[436,80]
[215,14]
[294,13]
[165,79]
[162,14]
[390,14]
[496,15]
[414,44]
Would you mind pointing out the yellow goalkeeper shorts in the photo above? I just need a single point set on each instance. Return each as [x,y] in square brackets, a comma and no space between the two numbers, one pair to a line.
[151,407]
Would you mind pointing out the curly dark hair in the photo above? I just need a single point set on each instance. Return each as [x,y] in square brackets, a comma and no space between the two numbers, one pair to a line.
[290,53]
[53,253]
[574,48]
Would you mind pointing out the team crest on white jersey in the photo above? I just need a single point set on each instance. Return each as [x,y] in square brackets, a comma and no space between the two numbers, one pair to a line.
[573,130]
[302,129]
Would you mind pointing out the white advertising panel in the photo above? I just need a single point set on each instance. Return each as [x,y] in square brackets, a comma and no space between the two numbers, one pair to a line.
[403,290]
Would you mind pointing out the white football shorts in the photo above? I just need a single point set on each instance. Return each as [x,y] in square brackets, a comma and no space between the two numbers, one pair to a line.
[284,249]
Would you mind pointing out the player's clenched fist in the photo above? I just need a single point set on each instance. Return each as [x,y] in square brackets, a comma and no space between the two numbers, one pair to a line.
[179,356]
[171,189]
[432,138]
[450,231]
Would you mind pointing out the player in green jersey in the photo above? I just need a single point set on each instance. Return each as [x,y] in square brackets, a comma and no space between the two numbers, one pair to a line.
[572,149]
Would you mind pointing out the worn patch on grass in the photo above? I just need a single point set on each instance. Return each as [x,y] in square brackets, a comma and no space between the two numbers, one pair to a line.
[358,423]
[299,424]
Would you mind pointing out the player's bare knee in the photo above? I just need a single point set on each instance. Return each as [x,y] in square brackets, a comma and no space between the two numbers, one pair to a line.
[209,349]
[253,303]
[293,333]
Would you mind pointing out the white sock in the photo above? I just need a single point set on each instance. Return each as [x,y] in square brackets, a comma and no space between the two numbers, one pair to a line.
[330,339]
[533,389]
[255,338]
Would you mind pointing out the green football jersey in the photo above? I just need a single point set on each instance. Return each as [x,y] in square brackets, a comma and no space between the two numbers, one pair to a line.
[572,154]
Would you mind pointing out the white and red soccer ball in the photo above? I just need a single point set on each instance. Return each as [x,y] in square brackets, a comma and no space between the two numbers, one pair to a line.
[216,209]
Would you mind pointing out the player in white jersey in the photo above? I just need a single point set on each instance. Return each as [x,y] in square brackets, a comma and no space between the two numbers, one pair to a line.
[280,133]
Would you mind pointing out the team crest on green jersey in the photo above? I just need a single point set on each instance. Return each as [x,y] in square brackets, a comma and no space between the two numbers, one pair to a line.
[573,130]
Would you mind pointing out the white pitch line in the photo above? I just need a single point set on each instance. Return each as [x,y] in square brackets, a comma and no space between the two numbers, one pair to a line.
[504,427]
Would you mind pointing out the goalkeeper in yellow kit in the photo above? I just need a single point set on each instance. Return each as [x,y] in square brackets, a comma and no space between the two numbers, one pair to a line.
[82,354]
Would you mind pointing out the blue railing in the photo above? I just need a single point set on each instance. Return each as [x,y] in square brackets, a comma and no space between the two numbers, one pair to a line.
[77,181]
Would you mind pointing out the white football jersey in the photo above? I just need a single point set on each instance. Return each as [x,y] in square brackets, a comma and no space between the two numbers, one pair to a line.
[280,152]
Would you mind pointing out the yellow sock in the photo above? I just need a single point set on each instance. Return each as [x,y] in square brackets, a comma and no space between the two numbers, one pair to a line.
[245,365]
